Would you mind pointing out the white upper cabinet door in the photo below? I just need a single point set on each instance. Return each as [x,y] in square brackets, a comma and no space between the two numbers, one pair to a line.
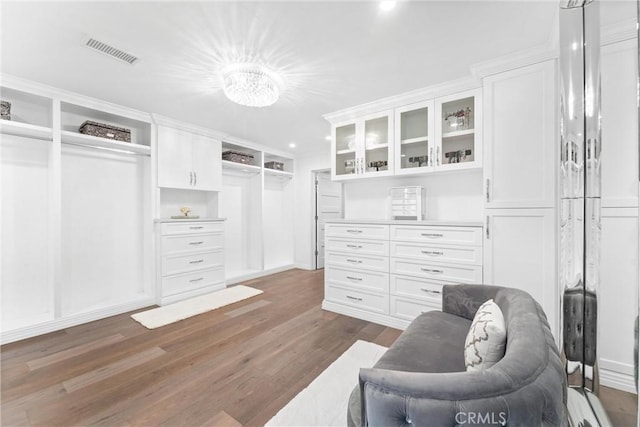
[520,252]
[414,142]
[363,147]
[207,163]
[520,133]
[174,158]
[458,131]
[619,155]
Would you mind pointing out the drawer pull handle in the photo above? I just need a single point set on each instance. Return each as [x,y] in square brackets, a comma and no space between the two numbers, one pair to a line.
[196,243]
[196,262]
[434,253]
[196,280]
[354,231]
[354,298]
[354,278]
[196,228]
[429,291]
[429,270]
[354,261]
[432,235]
[355,246]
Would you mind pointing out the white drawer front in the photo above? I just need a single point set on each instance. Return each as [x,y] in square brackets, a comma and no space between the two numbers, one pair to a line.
[355,246]
[357,278]
[409,309]
[191,227]
[184,263]
[378,303]
[434,253]
[200,242]
[185,282]
[369,262]
[413,287]
[439,235]
[361,231]
[449,273]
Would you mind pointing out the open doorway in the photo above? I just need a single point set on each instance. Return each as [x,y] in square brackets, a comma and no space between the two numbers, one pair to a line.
[328,205]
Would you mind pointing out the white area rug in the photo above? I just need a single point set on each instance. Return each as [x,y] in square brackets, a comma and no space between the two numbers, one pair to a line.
[325,401]
[167,314]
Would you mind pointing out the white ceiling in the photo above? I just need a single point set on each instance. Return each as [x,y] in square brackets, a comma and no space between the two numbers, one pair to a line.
[333,55]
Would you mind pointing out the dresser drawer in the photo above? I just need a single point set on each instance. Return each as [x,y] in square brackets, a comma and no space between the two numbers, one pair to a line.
[199,242]
[191,227]
[361,231]
[374,281]
[440,235]
[408,309]
[435,253]
[357,261]
[414,287]
[185,282]
[173,264]
[355,246]
[439,272]
[377,303]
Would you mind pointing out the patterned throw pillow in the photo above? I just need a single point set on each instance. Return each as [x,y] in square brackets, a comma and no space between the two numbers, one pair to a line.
[486,339]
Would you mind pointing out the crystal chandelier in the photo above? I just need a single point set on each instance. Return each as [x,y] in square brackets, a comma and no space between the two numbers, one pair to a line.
[252,85]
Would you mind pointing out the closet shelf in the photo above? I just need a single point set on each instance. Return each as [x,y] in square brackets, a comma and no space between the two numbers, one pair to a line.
[280,174]
[458,133]
[240,168]
[94,141]
[25,129]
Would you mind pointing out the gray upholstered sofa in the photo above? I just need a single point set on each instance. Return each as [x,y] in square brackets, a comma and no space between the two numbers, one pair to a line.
[422,380]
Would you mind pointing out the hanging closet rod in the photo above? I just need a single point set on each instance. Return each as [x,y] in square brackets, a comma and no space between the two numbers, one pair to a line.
[116,150]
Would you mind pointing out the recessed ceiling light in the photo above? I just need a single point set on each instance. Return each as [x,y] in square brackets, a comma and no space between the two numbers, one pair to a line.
[387,5]
[292,145]
[328,137]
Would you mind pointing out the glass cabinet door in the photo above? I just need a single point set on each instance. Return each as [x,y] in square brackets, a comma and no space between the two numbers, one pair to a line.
[458,119]
[377,145]
[345,141]
[414,149]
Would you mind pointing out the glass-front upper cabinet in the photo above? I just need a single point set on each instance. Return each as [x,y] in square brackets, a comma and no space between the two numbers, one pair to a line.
[414,129]
[363,147]
[458,126]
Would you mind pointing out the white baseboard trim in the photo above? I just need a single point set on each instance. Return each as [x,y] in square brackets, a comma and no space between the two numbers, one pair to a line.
[618,381]
[381,319]
[73,320]
[257,274]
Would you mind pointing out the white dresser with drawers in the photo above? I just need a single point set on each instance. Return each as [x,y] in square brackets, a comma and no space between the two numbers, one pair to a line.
[389,272]
[190,258]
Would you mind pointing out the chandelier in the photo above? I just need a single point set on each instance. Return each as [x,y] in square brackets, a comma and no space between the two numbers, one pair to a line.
[250,84]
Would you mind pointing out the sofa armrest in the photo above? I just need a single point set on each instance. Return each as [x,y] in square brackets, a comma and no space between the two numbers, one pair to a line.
[397,398]
[464,300]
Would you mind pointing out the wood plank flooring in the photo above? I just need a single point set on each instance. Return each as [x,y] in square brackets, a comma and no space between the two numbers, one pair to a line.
[235,366]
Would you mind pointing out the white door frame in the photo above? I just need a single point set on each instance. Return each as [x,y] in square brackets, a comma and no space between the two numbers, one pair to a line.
[314,236]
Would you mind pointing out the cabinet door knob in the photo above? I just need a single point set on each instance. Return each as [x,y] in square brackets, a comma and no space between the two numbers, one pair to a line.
[354,278]
[433,253]
[196,280]
[195,179]
[429,291]
[354,298]
[190,178]
[196,261]
[432,271]
[432,235]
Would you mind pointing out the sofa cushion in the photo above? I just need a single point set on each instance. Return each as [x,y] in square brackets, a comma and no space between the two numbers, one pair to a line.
[486,340]
[431,343]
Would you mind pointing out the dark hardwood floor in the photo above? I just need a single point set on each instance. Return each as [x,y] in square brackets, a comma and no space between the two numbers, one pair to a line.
[234,366]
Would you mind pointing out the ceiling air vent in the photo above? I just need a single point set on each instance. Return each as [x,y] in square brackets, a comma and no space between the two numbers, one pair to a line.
[113,52]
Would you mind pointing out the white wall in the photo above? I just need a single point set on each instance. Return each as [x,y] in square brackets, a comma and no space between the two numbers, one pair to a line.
[452,196]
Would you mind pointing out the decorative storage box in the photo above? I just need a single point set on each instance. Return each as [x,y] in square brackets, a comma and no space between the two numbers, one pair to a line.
[5,110]
[274,165]
[105,131]
[238,157]
[408,203]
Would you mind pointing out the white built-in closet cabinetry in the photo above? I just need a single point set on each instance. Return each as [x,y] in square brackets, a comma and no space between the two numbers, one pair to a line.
[76,217]
[520,163]
[618,294]
[389,272]
[257,203]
